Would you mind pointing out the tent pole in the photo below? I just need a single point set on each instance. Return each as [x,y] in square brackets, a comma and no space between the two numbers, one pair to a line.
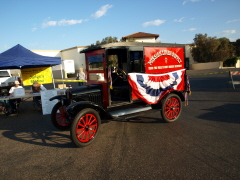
[53,78]
[20,75]
[62,75]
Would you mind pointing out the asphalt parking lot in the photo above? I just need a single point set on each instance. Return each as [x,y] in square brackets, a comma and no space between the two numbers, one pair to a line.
[203,144]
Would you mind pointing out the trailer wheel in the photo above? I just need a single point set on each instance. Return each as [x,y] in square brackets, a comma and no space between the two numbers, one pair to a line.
[171,108]
[59,117]
[85,127]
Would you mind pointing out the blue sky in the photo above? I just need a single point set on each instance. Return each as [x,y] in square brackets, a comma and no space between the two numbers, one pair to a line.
[58,24]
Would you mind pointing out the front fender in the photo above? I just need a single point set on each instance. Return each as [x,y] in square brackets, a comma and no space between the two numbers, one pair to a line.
[180,94]
[59,97]
[159,104]
[75,108]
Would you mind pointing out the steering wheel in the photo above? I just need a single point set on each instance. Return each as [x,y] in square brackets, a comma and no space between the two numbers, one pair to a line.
[121,73]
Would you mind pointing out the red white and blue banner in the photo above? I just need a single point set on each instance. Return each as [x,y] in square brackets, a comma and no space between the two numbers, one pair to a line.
[151,87]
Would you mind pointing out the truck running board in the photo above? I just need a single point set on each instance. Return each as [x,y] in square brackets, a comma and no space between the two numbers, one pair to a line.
[125,112]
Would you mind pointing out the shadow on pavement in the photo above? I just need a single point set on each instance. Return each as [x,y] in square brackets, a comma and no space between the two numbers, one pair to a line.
[31,127]
[225,113]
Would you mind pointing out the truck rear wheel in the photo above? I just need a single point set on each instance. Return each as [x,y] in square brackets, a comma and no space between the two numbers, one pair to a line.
[85,127]
[171,108]
[59,117]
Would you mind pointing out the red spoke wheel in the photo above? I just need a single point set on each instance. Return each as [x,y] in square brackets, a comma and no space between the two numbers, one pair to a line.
[59,117]
[85,127]
[171,108]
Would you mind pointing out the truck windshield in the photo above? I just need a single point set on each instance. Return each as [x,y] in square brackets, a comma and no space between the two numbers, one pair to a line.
[4,74]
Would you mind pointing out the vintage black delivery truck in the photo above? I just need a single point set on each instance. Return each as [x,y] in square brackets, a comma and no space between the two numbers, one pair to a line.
[123,81]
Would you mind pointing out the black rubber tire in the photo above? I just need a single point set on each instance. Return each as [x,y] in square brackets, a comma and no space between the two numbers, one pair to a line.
[58,117]
[83,130]
[171,108]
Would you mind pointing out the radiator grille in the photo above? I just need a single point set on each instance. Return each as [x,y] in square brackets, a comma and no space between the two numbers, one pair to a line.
[93,97]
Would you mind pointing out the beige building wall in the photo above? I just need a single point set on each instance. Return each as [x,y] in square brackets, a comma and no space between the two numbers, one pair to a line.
[50,53]
[238,64]
[209,65]
[144,40]
[67,54]
[74,54]
[188,54]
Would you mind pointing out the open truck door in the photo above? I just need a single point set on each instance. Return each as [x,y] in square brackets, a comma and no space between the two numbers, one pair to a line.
[96,68]
[109,67]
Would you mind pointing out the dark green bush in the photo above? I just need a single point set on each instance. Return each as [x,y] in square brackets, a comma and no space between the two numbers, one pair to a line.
[230,62]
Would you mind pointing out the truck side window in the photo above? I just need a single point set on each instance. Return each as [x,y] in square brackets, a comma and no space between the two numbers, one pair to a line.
[136,61]
[95,62]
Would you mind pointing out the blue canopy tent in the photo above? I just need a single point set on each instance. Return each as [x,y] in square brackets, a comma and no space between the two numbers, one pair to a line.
[19,57]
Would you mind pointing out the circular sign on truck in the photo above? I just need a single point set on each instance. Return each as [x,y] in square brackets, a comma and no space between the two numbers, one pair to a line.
[163,59]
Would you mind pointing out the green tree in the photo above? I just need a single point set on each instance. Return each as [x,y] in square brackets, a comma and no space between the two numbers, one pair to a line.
[211,49]
[122,40]
[106,40]
[237,45]
[129,39]
[98,43]
[225,50]
[109,39]
[112,60]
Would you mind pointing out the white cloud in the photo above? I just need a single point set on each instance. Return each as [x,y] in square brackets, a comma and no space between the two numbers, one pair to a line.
[227,32]
[179,20]
[49,23]
[191,29]
[5,47]
[235,20]
[34,29]
[65,22]
[101,11]
[62,22]
[233,39]
[161,39]
[184,2]
[230,31]
[153,23]
[33,44]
